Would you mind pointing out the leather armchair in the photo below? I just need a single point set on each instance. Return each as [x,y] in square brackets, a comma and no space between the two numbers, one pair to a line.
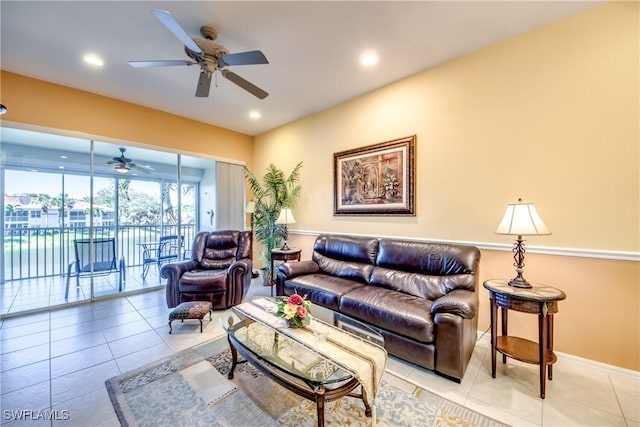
[219,270]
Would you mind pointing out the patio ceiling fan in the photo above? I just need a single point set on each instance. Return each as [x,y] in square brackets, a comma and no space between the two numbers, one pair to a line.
[124,164]
[209,55]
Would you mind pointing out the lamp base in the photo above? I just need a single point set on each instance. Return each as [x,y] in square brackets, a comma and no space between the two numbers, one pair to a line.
[519,282]
[284,247]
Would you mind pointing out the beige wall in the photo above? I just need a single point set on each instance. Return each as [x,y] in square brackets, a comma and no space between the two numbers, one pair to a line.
[33,102]
[551,116]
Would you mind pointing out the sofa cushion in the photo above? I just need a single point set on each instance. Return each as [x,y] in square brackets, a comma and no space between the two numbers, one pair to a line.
[418,285]
[360,249]
[321,289]
[345,256]
[398,312]
[455,264]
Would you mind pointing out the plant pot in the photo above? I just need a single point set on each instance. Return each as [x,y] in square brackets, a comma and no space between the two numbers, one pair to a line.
[266,277]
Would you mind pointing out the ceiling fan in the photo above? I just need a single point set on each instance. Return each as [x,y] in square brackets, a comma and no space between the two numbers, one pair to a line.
[209,55]
[124,164]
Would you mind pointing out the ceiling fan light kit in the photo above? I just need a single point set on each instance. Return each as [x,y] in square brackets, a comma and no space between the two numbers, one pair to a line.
[209,55]
[124,164]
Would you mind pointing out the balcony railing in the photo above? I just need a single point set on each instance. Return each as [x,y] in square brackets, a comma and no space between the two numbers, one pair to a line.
[37,252]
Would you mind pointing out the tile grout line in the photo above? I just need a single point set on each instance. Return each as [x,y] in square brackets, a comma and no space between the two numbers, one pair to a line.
[50,369]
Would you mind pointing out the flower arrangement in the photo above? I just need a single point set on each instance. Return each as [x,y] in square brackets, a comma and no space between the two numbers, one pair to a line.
[295,309]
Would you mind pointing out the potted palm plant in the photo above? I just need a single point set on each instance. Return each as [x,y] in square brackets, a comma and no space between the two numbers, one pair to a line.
[271,194]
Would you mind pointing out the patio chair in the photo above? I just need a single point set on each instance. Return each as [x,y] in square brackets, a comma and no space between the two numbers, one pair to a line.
[168,248]
[103,259]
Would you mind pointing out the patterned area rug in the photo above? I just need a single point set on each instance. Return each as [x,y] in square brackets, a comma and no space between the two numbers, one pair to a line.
[191,389]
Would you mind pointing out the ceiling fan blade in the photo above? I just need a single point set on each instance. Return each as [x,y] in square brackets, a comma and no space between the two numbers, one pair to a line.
[204,82]
[172,25]
[141,168]
[244,58]
[169,63]
[244,84]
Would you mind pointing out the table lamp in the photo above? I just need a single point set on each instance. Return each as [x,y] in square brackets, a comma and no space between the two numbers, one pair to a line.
[250,209]
[285,217]
[521,219]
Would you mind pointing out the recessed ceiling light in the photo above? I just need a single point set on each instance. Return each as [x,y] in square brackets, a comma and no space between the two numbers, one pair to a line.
[94,60]
[255,115]
[369,59]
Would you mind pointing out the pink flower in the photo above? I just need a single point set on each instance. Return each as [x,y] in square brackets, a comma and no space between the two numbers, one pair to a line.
[295,299]
[301,311]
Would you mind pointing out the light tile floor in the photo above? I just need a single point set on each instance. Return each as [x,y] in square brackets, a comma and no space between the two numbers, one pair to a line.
[58,360]
[21,296]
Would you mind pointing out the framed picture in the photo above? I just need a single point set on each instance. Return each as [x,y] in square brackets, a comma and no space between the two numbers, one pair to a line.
[376,179]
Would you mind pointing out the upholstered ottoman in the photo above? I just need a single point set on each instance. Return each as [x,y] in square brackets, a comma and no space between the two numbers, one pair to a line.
[190,310]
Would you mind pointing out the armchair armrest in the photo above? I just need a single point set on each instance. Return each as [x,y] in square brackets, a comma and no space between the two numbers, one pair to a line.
[172,272]
[240,267]
[238,280]
[461,302]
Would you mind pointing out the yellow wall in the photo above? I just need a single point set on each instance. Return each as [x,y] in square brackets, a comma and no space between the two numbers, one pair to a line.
[551,116]
[33,102]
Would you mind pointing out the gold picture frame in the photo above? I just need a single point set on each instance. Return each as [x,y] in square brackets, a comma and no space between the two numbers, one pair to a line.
[375,180]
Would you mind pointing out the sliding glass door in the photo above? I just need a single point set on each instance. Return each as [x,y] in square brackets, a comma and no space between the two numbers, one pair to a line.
[59,190]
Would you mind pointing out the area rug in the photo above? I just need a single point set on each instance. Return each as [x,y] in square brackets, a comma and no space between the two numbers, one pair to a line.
[191,389]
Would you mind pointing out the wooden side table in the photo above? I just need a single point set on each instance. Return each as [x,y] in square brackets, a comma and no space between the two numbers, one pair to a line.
[291,254]
[539,299]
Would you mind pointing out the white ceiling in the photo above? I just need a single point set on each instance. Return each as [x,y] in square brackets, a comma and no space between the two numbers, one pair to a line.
[313,48]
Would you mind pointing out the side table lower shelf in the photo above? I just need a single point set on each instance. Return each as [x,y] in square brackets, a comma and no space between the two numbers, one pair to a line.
[524,350]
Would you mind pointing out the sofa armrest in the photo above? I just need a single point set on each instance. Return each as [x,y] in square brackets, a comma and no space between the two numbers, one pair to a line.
[289,270]
[461,302]
[172,272]
[293,269]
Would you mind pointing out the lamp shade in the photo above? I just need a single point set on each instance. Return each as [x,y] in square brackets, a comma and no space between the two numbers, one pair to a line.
[522,219]
[285,217]
[251,207]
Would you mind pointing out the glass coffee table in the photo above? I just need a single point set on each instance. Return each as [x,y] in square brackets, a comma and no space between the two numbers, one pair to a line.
[295,365]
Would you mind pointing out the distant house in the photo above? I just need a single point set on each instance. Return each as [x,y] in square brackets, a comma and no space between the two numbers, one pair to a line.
[26,212]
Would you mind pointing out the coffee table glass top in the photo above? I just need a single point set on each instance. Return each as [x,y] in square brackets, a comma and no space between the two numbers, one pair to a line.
[276,349]
[305,361]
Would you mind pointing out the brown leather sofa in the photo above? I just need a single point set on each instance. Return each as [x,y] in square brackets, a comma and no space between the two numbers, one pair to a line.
[421,297]
[219,270]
